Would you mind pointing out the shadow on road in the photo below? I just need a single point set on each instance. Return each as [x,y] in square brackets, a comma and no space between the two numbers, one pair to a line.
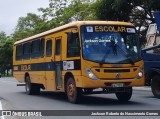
[90,100]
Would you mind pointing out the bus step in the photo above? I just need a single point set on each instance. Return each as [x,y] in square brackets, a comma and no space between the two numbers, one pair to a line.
[21,84]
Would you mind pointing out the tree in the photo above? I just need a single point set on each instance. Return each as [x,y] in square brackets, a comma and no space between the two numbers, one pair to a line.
[28,26]
[64,12]
[113,9]
[139,12]
[6,56]
[3,36]
[54,6]
[28,22]
[78,11]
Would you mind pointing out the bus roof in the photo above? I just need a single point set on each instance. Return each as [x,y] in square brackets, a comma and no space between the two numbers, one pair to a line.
[72,24]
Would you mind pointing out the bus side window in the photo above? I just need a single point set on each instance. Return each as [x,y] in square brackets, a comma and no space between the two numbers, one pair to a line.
[49,48]
[19,52]
[42,47]
[26,50]
[58,46]
[36,48]
[73,45]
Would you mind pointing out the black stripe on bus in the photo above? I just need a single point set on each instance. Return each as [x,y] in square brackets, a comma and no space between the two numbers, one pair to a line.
[45,66]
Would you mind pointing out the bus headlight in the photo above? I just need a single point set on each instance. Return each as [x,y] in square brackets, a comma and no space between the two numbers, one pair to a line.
[90,74]
[140,74]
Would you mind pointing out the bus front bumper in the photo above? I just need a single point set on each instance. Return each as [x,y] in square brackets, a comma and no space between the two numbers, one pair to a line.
[103,83]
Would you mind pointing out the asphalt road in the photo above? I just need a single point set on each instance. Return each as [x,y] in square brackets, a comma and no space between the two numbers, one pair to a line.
[13,97]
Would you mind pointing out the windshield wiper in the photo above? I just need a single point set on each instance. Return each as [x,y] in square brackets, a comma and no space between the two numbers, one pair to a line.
[103,59]
[115,52]
[129,58]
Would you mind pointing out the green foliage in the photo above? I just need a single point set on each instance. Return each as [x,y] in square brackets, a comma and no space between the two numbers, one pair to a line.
[138,12]
[113,9]
[5,53]
[78,10]
[28,26]
[61,13]
[3,36]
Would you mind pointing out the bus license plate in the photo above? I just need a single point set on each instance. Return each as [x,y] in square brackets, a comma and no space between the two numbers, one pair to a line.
[117,84]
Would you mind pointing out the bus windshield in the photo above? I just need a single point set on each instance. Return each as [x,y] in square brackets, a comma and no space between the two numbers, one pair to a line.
[110,47]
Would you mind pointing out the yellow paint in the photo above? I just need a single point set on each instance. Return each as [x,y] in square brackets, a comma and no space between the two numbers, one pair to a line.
[15,68]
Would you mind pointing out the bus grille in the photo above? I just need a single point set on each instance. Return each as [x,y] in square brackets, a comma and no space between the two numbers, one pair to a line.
[116,70]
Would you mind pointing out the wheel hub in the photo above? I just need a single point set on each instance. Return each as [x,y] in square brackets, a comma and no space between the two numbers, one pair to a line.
[71,90]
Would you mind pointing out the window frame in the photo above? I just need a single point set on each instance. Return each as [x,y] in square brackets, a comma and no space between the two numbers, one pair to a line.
[58,46]
[49,50]
[19,48]
[26,50]
[73,50]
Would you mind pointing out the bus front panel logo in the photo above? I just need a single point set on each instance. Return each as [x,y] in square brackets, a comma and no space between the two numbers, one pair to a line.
[118,75]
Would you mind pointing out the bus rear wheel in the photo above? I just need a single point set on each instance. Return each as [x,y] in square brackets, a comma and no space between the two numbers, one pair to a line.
[31,89]
[73,93]
[124,96]
[155,86]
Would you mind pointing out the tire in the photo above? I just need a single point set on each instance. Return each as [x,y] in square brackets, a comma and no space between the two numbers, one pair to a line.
[124,96]
[31,89]
[155,86]
[73,93]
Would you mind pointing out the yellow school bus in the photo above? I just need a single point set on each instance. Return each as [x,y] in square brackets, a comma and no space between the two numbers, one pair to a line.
[80,58]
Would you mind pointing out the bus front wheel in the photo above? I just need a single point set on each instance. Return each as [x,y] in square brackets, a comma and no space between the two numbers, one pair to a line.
[124,96]
[73,93]
[31,89]
[155,86]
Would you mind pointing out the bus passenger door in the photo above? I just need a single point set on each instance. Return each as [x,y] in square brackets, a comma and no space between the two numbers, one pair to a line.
[58,64]
[49,74]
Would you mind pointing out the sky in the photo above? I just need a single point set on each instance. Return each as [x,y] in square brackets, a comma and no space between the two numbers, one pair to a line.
[11,10]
